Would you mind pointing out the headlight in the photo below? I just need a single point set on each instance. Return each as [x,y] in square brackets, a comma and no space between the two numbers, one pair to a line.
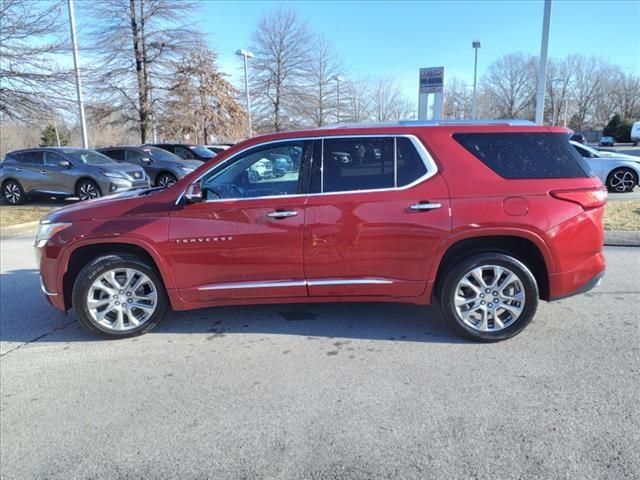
[186,169]
[48,230]
[110,174]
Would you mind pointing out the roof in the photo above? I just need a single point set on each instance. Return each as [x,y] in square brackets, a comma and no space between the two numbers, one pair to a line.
[429,123]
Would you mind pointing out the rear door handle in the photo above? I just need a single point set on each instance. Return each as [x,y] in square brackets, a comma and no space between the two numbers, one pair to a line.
[425,206]
[282,214]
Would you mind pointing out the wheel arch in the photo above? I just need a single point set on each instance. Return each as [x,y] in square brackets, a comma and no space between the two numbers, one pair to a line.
[83,254]
[530,250]
[163,172]
[86,177]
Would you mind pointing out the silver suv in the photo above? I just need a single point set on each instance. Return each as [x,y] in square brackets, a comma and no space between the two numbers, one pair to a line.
[65,172]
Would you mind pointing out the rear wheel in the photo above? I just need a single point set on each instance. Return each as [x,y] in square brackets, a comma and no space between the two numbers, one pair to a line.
[488,297]
[13,193]
[87,190]
[119,296]
[622,180]
[165,179]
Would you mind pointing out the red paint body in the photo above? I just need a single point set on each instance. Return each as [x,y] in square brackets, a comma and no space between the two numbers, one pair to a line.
[198,247]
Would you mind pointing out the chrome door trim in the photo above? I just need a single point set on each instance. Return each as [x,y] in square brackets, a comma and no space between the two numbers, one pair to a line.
[296,283]
[265,284]
[348,281]
[425,206]
[282,214]
[432,168]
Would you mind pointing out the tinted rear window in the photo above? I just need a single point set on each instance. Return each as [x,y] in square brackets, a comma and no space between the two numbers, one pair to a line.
[526,155]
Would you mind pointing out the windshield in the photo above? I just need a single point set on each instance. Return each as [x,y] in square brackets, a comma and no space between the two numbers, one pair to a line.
[89,157]
[202,151]
[161,154]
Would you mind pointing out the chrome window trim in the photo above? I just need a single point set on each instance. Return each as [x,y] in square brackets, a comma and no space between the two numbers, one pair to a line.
[296,283]
[427,159]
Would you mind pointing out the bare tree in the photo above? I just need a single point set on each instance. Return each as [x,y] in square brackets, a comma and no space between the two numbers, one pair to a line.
[586,86]
[509,85]
[201,97]
[136,44]
[323,69]
[458,99]
[32,80]
[356,101]
[385,97]
[281,47]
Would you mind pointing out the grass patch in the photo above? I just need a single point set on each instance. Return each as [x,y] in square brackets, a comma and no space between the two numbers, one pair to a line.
[13,215]
[622,215]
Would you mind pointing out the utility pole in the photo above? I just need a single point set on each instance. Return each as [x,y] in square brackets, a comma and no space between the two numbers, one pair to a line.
[76,65]
[474,106]
[246,54]
[542,69]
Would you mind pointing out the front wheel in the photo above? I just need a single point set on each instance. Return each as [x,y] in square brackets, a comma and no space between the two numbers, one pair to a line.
[165,179]
[622,180]
[119,296]
[87,190]
[488,297]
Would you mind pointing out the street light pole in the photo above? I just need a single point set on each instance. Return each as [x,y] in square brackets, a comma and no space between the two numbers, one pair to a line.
[542,69]
[76,65]
[246,54]
[338,78]
[474,106]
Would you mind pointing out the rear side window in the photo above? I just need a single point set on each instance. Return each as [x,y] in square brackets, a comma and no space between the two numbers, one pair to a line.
[32,158]
[115,154]
[357,164]
[526,155]
[410,164]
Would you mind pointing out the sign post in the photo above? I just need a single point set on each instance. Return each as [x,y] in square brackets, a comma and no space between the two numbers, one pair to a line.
[431,83]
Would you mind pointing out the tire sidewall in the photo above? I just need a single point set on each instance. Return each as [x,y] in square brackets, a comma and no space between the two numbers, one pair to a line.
[99,266]
[621,169]
[165,175]
[448,290]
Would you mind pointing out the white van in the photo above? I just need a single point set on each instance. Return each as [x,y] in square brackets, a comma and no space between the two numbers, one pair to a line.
[635,133]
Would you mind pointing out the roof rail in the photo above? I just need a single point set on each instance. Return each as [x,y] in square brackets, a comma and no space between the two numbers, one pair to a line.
[430,123]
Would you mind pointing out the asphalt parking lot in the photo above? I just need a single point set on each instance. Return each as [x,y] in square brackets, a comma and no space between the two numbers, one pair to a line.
[321,391]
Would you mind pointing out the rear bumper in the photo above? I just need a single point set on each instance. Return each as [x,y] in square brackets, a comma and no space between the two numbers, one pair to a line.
[585,277]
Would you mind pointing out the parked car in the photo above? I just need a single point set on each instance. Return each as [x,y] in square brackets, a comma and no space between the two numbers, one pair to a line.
[218,148]
[635,133]
[187,151]
[619,172]
[606,142]
[65,172]
[483,218]
[162,167]
[579,137]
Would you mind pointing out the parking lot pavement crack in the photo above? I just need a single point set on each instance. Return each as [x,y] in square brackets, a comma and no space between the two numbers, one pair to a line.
[40,337]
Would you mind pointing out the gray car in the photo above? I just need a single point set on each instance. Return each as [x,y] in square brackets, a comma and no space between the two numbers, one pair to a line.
[65,172]
[162,167]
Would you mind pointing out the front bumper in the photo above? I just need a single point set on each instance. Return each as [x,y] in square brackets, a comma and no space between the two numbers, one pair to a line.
[117,185]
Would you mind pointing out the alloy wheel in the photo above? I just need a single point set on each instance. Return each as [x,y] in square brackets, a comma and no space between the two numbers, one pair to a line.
[12,193]
[87,191]
[166,180]
[622,181]
[489,298]
[122,299]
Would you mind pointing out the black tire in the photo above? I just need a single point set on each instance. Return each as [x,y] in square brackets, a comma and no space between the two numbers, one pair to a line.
[447,292]
[165,179]
[615,178]
[13,193]
[103,264]
[87,189]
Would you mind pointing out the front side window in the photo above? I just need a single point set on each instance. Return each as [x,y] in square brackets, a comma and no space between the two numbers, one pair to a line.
[261,172]
[363,163]
[134,156]
[185,153]
[116,154]
[53,159]
[410,164]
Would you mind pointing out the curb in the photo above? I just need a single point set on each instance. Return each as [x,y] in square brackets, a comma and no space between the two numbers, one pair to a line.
[12,231]
[618,238]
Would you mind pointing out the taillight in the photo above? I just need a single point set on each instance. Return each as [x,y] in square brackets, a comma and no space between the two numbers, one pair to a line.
[585,197]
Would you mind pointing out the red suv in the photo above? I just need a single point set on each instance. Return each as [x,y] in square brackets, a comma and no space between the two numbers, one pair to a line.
[484,218]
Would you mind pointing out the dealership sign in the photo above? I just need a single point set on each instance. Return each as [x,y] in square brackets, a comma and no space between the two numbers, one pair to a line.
[431,79]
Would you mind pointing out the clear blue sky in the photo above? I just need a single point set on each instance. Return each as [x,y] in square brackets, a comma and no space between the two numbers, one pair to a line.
[397,37]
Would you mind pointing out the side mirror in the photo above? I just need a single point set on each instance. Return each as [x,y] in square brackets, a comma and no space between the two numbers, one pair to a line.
[64,164]
[146,160]
[193,193]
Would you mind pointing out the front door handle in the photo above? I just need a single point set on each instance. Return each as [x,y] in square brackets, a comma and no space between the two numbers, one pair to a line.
[43,172]
[425,206]
[282,214]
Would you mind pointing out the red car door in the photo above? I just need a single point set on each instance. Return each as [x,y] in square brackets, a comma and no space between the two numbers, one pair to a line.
[245,239]
[376,218]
